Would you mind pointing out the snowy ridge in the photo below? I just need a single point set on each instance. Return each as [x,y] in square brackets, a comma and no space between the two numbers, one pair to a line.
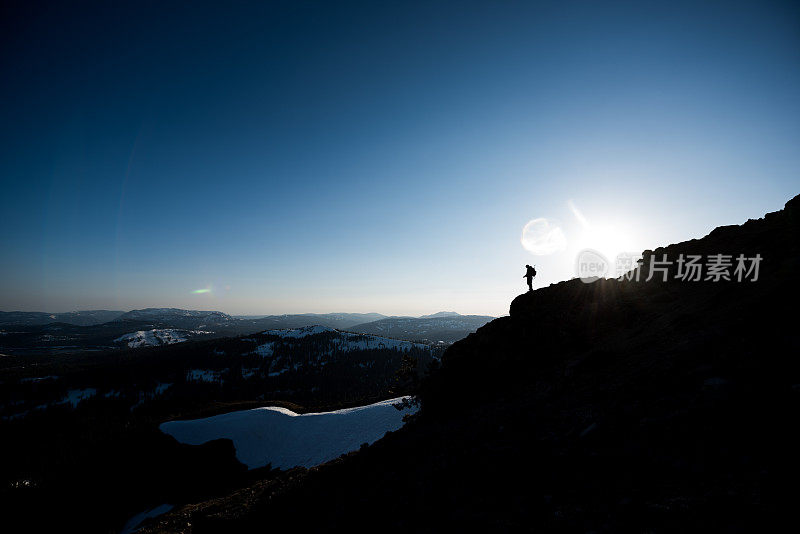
[290,413]
[154,337]
[285,439]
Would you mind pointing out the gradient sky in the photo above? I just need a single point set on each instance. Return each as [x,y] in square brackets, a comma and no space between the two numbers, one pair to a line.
[378,156]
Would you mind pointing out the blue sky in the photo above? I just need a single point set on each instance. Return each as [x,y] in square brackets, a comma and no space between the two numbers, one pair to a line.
[311,157]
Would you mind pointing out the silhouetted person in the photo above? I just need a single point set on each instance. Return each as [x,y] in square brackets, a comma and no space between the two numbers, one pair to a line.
[530,272]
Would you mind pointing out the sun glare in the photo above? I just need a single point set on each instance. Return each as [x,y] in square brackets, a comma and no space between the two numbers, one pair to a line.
[609,240]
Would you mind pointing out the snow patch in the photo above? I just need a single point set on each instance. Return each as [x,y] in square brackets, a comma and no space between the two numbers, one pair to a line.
[285,439]
[265,350]
[202,375]
[76,396]
[151,338]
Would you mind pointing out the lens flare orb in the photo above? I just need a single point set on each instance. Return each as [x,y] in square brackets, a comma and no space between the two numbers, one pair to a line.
[542,237]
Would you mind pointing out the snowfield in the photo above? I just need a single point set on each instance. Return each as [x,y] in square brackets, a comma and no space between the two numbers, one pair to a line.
[284,439]
[150,338]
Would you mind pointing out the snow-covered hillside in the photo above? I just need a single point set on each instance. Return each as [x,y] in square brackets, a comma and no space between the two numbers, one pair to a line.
[284,439]
[154,337]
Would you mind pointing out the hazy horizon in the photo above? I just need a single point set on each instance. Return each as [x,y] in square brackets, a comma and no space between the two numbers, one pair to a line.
[272,158]
[125,310]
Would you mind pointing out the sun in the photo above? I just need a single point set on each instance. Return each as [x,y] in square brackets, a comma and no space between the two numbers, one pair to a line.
[609,240]
[610,237]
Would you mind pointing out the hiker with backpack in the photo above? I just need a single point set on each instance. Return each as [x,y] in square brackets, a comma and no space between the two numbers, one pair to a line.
[530,272]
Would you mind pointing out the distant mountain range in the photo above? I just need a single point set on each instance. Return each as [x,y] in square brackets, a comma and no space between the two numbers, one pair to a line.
[443,327]
[439,315]
[178,318]
[38,332]
[80,318]
[331,320]
[93,317]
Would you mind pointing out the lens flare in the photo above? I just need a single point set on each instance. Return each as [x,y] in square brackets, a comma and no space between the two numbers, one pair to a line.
[542,237]
[201,291]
